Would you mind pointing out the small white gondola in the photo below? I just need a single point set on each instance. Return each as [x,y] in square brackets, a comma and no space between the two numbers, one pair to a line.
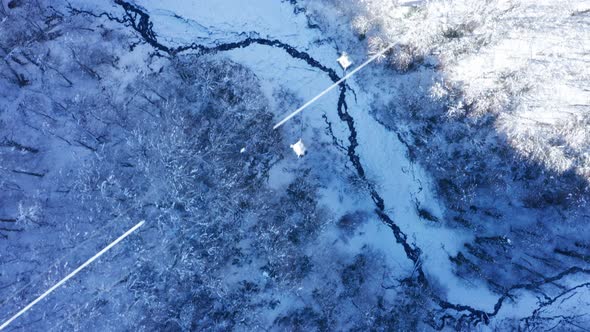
[299,148]
[344,61]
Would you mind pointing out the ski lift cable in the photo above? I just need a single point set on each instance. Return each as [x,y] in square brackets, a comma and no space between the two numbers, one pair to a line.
[72,274]
[134,228]
[93,235]
[160,247]
[347,76]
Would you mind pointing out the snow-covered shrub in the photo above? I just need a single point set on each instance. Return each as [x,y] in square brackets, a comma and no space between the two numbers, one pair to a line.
[350,222]
[443,28]
[500,74]
[490,97]
[104,133]
[28,213]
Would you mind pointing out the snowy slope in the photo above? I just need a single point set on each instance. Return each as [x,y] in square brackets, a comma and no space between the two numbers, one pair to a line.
[380,150]
[240,232]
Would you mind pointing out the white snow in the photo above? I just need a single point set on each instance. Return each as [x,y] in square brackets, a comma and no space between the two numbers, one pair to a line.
[382,155]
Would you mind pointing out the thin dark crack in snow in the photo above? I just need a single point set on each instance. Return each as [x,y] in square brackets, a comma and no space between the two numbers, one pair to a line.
[549,301]
[140,22]
[335,141]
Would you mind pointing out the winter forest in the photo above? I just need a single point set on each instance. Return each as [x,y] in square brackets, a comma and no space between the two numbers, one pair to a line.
[443,187]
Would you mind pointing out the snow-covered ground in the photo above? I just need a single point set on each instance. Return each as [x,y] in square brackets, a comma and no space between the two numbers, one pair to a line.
[381,153]
[292,60]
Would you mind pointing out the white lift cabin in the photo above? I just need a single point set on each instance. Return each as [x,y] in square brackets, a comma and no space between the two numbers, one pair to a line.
[299,148]
[344,61]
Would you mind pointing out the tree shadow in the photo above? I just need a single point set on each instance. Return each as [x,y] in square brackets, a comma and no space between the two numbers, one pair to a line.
[528,220]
